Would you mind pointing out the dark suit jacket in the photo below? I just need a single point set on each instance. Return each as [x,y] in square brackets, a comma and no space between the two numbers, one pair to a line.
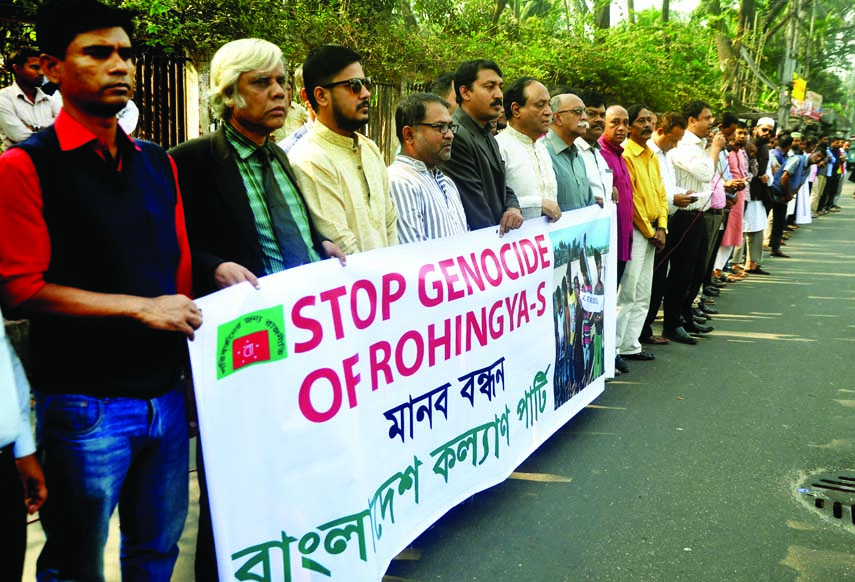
[220,223]
[479,174]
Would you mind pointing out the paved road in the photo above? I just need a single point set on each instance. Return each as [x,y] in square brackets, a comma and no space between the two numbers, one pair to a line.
[686,468]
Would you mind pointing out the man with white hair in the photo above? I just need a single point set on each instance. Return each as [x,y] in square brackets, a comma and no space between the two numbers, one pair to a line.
[569,122]
[245,212]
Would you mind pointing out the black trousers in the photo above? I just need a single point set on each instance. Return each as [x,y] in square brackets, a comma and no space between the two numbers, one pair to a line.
[779,220]
[830,191]
[674,268]
[13,517]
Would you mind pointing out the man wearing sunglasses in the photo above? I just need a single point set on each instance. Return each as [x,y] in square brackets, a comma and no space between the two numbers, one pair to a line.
[428,202]
[476,165]
[340,171]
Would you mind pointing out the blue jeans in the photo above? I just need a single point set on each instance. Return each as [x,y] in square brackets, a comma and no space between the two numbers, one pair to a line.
[98,453]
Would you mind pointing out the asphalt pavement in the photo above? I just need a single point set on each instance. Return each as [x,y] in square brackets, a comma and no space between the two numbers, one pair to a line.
[687,468]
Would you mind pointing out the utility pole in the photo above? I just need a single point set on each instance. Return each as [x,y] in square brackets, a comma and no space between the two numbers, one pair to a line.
[788,66]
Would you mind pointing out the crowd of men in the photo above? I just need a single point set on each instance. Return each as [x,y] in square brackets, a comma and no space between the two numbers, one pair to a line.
[106,239]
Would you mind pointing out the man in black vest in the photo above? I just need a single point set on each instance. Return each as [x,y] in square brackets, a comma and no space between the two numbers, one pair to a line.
[95,254]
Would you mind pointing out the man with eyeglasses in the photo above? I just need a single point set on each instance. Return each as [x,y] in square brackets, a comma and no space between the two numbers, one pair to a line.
[569,122]
[528,167]
[427,200]
[475,164]
[341,172]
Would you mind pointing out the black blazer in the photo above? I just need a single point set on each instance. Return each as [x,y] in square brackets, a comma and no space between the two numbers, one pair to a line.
[220,223]
[479,174]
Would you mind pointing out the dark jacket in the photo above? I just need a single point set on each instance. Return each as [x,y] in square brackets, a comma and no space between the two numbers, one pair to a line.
[479,174]
[220,223]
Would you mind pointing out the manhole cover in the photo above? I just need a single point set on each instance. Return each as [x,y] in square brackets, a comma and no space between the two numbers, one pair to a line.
[833,494]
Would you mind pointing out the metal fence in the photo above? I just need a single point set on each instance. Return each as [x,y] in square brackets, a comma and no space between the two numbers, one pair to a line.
[381,124]
[159,95]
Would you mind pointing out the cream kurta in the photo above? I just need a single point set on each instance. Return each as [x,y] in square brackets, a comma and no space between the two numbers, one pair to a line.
[346,189]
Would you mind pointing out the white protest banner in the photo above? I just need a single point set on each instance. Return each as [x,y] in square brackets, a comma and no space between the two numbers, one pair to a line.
[345,409]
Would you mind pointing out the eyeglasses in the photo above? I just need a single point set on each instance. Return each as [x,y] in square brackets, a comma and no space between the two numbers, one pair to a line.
[355,85]
[577,111]
[442,128]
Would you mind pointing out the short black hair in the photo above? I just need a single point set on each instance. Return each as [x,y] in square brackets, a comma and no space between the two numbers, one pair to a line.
[442,84]
[19,59]
[467,74]
[694,109]
[516,94]
[59,22]
[727,119]
[324,63]
[741,125]
[593,99]
[412,110]
[785,140]
[634,110]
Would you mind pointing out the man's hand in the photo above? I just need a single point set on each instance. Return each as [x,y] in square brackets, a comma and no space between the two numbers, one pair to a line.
[33,479]
[683,200]
[511,220]
[599,200]
[658,239]
[615,194]
[550,210]
[718,143]
[332,250]
[171,313]
[764,178]
[228,274]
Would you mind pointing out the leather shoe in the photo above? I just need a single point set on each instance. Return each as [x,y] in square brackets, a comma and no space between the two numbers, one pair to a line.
[779,254]
[712,291]
[699,320]
[679,335]
[698,314]
[707,310]
[620,365]
[707,300]
[757,271]
[655,340]
[718,284]
[642,355]
[697,328]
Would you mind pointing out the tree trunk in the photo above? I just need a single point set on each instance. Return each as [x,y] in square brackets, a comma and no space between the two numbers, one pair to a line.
[500,6]
[604,14]
[666,10]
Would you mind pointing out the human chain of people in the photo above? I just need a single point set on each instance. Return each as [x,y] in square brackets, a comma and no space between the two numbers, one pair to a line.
[107,240]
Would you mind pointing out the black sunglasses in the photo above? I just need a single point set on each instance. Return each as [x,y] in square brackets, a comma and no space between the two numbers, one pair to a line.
[355,85]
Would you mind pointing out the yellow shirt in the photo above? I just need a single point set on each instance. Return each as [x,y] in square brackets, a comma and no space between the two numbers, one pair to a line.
[649,200]
[346,188]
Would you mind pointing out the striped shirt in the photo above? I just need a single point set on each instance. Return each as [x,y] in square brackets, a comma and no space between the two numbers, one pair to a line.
[251,167]
[428,202]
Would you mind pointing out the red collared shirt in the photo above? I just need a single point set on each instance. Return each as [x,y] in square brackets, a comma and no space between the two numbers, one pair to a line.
[25,250]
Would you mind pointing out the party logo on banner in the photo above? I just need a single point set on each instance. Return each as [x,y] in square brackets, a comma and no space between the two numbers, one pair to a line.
[254,338]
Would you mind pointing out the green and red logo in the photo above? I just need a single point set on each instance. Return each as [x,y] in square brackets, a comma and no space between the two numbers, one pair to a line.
[253,338]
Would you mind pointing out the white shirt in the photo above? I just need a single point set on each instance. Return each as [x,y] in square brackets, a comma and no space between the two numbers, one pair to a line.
[427,200]
[693,168]
[668,178]
[18,115]
[599,173]
[14,401]
[528,171]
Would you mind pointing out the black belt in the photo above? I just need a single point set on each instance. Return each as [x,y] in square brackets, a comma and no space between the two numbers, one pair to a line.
[716,211]
[692,212]
[7,449]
